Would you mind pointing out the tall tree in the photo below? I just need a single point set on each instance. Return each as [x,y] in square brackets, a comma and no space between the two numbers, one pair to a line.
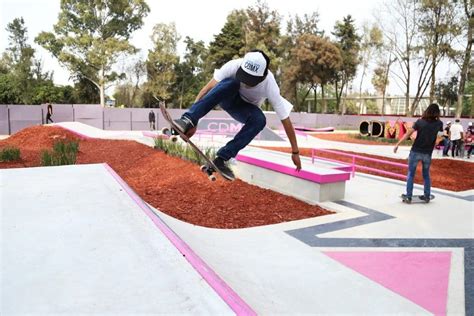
[349,43]
[85,92]
[191,76]
[90,35]
[230,40]
[446,93]
[128,92]
[380,78]
[296,27]
[262,31]
[398,21]
[162,61]
[315,60]
[466,7]
[19,57]
[371,42]
[437,27]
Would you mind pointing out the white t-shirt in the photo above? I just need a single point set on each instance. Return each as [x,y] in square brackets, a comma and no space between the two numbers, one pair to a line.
[267,89]
[456,130]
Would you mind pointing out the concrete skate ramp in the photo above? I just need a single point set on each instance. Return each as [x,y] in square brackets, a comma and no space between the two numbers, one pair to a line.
[75,242]
[230,127]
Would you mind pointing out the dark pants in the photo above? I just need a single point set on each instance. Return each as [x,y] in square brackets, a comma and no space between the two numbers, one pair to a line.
[48,118]
[413,160]
[226,94]
[446,144]
[456,147]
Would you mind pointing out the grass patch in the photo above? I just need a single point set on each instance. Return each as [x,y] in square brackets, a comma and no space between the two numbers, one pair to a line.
[185,152]
[381,140]
[9,154]
[63,153]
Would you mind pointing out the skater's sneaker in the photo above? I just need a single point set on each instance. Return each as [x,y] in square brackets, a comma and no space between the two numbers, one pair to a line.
[406,199]
[426,199]
[224,169]
[184,124]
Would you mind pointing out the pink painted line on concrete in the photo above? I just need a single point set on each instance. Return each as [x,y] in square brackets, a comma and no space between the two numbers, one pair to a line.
[303,174]
[229,296]
[421,277]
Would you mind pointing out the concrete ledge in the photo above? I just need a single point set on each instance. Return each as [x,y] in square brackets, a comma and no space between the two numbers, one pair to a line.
[275,171]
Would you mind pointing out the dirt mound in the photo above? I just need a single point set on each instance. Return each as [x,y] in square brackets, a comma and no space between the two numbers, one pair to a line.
[37,137]
[174,186]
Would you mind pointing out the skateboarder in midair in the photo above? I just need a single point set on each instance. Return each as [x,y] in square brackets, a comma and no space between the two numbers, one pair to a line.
[240,87]
[427,129]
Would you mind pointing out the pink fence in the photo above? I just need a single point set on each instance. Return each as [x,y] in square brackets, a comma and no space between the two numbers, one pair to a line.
[354,164]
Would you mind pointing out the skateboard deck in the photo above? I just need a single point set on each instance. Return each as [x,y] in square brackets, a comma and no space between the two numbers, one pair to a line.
[416,199]
[210,167]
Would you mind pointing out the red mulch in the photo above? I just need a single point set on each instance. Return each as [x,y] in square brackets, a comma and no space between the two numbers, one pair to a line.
[170,184]
[453,175]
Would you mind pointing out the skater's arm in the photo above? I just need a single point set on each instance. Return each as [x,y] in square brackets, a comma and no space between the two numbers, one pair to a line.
[208,87]
[290,132]
[404,138]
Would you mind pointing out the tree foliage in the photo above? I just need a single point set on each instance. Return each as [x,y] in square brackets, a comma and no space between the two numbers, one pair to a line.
[348,42]
[90,35]
[162,61]
[230,40]
[314,60]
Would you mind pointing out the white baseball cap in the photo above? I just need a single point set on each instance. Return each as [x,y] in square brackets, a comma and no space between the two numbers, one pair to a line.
[469,124]
[449,122]
[254,68]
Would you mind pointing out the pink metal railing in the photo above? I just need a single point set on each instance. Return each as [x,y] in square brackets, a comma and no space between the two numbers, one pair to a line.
[354,165]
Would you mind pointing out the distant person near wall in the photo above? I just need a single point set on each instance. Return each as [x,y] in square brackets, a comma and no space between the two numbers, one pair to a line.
[49,113]
[151,119]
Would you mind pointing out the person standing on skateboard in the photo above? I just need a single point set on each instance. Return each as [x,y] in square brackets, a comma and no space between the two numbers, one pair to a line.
[427,129]
[240,87]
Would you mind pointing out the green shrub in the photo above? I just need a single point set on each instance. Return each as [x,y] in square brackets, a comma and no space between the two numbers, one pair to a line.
[185,151]
[9,154]
[63,153]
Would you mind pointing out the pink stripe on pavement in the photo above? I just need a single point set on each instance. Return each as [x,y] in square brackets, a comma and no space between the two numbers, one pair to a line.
[222,289]
[420,276]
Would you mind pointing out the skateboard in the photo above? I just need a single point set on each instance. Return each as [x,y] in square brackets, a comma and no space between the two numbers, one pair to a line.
[167,132]
[415,199]
[209,168]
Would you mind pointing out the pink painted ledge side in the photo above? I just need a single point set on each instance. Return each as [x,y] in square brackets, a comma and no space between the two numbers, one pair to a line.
[302,174]
[229,296]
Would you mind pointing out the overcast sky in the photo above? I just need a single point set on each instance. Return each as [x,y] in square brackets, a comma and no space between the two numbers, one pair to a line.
[200,20]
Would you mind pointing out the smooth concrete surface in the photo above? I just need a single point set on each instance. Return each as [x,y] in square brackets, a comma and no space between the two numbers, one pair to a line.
[315,183]
[308,191]
[375,256]
[73,242]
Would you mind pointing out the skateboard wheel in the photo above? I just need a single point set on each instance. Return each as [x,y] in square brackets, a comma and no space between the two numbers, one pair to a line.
[204,168]
[165,131]
[212,177]
[174,138]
